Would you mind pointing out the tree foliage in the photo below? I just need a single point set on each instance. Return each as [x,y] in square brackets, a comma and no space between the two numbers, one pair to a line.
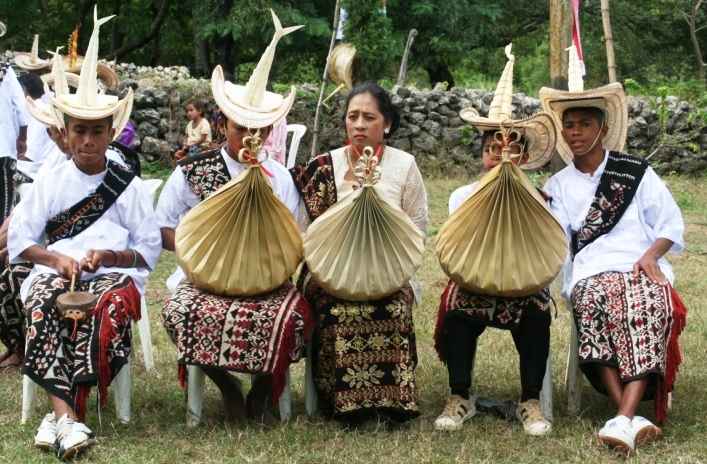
[458,41]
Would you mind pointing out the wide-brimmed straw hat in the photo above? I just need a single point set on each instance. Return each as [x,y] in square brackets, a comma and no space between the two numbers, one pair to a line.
[31,61]
[88,103]
[538,130]
[251,105]
[3,29]
[611,99]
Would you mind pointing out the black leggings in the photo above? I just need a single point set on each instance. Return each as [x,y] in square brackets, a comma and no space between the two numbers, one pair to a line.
[532,340]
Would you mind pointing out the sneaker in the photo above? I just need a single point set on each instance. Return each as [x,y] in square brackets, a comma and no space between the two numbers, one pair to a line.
[645,431]
[72,437]
[46,433]
[530,414]
[618,434]
[456,412]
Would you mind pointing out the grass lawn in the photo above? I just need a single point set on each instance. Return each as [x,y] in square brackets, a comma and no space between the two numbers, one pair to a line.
[157,433]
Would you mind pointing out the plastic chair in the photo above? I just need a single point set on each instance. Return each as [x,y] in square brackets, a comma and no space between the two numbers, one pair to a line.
[298,131]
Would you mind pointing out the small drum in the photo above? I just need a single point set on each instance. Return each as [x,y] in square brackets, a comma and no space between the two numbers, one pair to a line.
[76,306]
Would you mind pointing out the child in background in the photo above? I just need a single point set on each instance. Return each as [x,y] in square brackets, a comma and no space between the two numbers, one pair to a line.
[198,130]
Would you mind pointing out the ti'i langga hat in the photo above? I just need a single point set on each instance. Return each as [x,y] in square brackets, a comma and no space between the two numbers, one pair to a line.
[538,130]
[88,103]
[251,105]
[611,99]
[31,61]
[43,111]
[3,29]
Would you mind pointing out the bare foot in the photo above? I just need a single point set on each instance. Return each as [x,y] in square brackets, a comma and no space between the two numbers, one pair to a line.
[259,402]
[11,360]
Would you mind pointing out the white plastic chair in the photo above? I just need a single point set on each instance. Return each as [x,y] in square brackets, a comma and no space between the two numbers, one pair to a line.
[122,384]
[298,131]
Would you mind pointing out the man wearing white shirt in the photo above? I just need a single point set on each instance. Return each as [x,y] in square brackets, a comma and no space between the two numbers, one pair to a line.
[621,220]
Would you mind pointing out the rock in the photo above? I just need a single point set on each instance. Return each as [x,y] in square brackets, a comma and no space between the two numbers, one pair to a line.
[424,142]
[431,106]
[143,99]
[147,129]
[164,126]
[433,115]
[149,115]
[432,127]
[397,101]
[417,118]
[455,121]
[452,136]
[404,92]
[414,130]
[161,97]
[155,148]
[403,144]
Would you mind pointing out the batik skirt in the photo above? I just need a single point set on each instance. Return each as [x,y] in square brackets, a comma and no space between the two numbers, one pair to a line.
[492,311]
[12,312]
[67,359]
[628,322]
[257,335]
[364,354]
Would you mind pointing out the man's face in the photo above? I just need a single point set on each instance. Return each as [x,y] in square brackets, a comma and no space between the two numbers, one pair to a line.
[236,133]
[88,140]
[491,154]
[581,130]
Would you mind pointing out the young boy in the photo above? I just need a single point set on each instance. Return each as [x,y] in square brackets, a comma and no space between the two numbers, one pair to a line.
[101,238]
[621,220]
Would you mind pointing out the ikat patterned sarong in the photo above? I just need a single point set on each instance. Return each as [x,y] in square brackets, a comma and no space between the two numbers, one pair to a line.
[12,312]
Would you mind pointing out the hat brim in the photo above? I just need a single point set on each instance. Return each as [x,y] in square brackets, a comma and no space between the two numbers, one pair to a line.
[25,61]
[42,112]
[227,99]
[610,98]
[119,110]
[538,130]
[71,78]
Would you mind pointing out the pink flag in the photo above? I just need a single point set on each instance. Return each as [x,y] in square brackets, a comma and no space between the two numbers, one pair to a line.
[576,36]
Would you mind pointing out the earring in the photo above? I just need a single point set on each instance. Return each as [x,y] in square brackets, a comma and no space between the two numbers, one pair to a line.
[387,130]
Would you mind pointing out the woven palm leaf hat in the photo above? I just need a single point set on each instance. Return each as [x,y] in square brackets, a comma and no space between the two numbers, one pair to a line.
[31,61]
[43,111]
[3,29]
[539,129]
[88,102]
[251,105]
[611,99]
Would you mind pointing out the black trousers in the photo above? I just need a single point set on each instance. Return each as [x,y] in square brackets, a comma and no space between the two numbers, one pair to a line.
[531,338]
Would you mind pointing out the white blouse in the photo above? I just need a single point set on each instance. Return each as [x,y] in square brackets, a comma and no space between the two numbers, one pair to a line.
[652,214]
[401,182]
[13,112]
[128,224]
[460,195]
[177,198]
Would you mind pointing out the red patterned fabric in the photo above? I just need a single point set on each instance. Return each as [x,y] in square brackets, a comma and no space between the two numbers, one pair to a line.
[633,324]
[256,335]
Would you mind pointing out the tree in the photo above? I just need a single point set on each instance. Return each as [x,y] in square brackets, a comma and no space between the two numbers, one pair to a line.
[691,19]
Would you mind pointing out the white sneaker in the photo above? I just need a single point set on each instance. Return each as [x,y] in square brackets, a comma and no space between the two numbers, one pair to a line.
[72,437]
[457,411]
[46,433]
[645,431]
[531,415]
[618,434]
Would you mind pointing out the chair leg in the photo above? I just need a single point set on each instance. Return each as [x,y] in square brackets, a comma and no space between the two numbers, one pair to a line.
[146,336]
[573,376]
[195,395]
[28,392]
[285,400]
[123,386]
[546,391]
[310,391]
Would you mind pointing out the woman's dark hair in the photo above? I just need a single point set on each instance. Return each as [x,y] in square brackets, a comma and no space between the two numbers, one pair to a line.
[32,84]
[382,97]
[198,105]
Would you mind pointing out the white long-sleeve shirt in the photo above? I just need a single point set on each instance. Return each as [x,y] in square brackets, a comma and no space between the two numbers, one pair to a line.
[39,144]
[13,113]
[652,214]
[128,224]
[177,198]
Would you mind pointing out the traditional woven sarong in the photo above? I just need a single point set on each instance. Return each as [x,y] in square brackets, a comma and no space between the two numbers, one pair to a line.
[67,364]
[12,314]
[632,324]
[499,312]
[7,185]
[364,353]
[257,335]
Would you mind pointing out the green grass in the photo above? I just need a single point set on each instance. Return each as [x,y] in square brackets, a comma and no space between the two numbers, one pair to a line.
[157,433]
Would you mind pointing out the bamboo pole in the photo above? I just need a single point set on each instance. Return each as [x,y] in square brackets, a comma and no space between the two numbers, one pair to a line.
[691,20]
[608,40]
[315,129]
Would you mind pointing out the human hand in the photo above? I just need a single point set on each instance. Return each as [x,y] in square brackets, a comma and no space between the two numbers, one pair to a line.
[94,259]
[649,264]
[66,266]
[21,146]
